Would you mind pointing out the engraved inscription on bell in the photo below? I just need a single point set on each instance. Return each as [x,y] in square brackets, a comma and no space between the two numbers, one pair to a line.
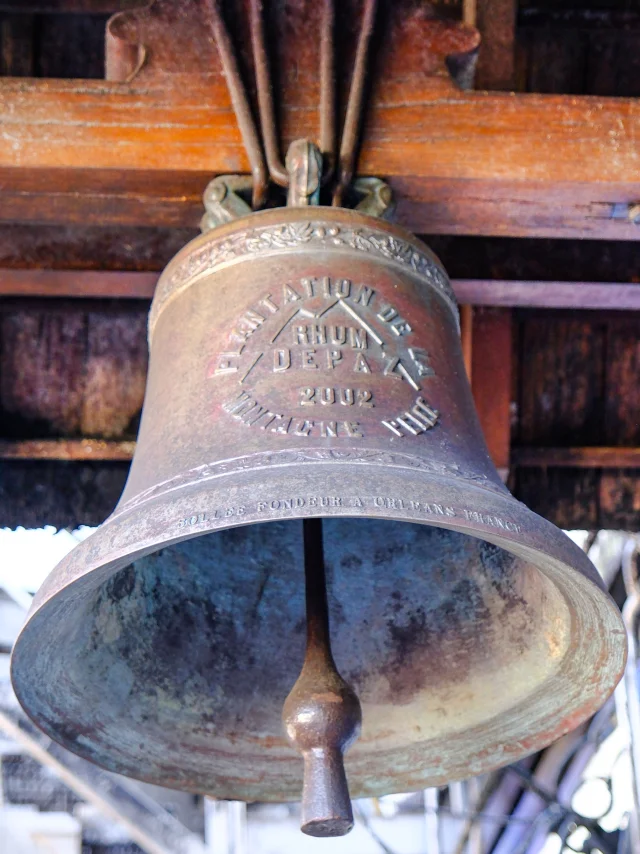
[329,358]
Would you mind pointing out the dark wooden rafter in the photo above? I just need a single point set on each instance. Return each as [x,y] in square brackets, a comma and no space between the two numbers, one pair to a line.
[577,435]
[100,450]
[68,450]
[460,162]
[589,458]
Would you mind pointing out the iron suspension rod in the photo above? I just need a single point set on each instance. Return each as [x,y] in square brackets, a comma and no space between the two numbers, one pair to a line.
[355,104]
[240,102]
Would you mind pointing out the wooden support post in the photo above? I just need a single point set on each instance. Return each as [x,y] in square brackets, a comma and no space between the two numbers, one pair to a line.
[491,385]
[496,21]
[466,337]
[588,458]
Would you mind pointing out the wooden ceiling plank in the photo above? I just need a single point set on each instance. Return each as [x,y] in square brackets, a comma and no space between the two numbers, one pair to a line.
[566,497]
[115,374]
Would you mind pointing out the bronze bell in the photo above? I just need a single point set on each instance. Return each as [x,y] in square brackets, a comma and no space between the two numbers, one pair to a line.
[306,365]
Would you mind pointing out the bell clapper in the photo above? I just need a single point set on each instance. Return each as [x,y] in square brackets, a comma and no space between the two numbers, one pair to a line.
[322,714]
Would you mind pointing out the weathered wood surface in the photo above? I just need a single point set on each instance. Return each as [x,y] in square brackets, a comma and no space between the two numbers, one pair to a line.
[37,44]
[87,151]
[530,259]
[619,499]
[475,163]
[561,381]
[491,381]
[567,497]
[621,403]
[584,458]
[143,249]
[496,21]
[62,494]
[137,284]
[85,284]
[87,247]
[619,493]
[579,401]
[580,47]
[70,371]
[16,41]
[66,449]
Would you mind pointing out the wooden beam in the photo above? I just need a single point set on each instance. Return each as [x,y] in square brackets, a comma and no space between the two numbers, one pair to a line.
[589,458]
[582,295]
[68,450]
[460,162]
[86,197]
[493,410]
[86,284]
[68,494]
[466,337]
[491,381]
[123,284]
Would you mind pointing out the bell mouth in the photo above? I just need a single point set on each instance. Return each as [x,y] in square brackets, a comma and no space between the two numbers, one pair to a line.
[472,638]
